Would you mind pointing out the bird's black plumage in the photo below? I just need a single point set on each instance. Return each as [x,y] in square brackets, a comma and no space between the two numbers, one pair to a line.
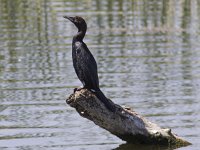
[84,63]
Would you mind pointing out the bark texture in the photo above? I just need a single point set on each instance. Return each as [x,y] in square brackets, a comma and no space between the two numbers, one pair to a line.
[124,123]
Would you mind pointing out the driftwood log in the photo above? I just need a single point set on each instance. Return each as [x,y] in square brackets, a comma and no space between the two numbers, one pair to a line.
[124,123]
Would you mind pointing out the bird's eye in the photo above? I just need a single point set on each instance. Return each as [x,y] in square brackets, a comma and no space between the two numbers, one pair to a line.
[76,19]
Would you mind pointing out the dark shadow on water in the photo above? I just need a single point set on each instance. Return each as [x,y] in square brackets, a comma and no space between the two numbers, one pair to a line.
[128,146]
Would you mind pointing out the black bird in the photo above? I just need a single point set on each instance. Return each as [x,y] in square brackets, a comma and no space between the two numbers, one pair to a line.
[84,63]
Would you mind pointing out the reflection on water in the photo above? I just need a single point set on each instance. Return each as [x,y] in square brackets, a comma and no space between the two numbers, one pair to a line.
[148,58]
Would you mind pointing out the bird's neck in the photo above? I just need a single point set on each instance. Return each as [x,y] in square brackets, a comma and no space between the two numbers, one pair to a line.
[80,35]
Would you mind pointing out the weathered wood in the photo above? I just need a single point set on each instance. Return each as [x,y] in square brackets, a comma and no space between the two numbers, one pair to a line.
[124,123]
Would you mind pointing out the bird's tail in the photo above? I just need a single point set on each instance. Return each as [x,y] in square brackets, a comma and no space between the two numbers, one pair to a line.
[108,103]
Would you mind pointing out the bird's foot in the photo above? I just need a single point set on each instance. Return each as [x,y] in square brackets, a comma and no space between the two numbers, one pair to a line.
[78,89]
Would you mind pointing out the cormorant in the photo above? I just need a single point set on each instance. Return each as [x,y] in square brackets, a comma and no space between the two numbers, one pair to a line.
[84,63]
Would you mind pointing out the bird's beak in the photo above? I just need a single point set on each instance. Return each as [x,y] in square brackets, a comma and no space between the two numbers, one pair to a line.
[69,18]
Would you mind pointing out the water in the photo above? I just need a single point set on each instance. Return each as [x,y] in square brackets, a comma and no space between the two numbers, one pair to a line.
[148,58]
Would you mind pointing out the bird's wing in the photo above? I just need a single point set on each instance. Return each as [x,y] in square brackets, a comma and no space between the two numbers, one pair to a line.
[88,65]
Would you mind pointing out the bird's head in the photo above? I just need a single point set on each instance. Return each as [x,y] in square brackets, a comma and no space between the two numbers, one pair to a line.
[78,21]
